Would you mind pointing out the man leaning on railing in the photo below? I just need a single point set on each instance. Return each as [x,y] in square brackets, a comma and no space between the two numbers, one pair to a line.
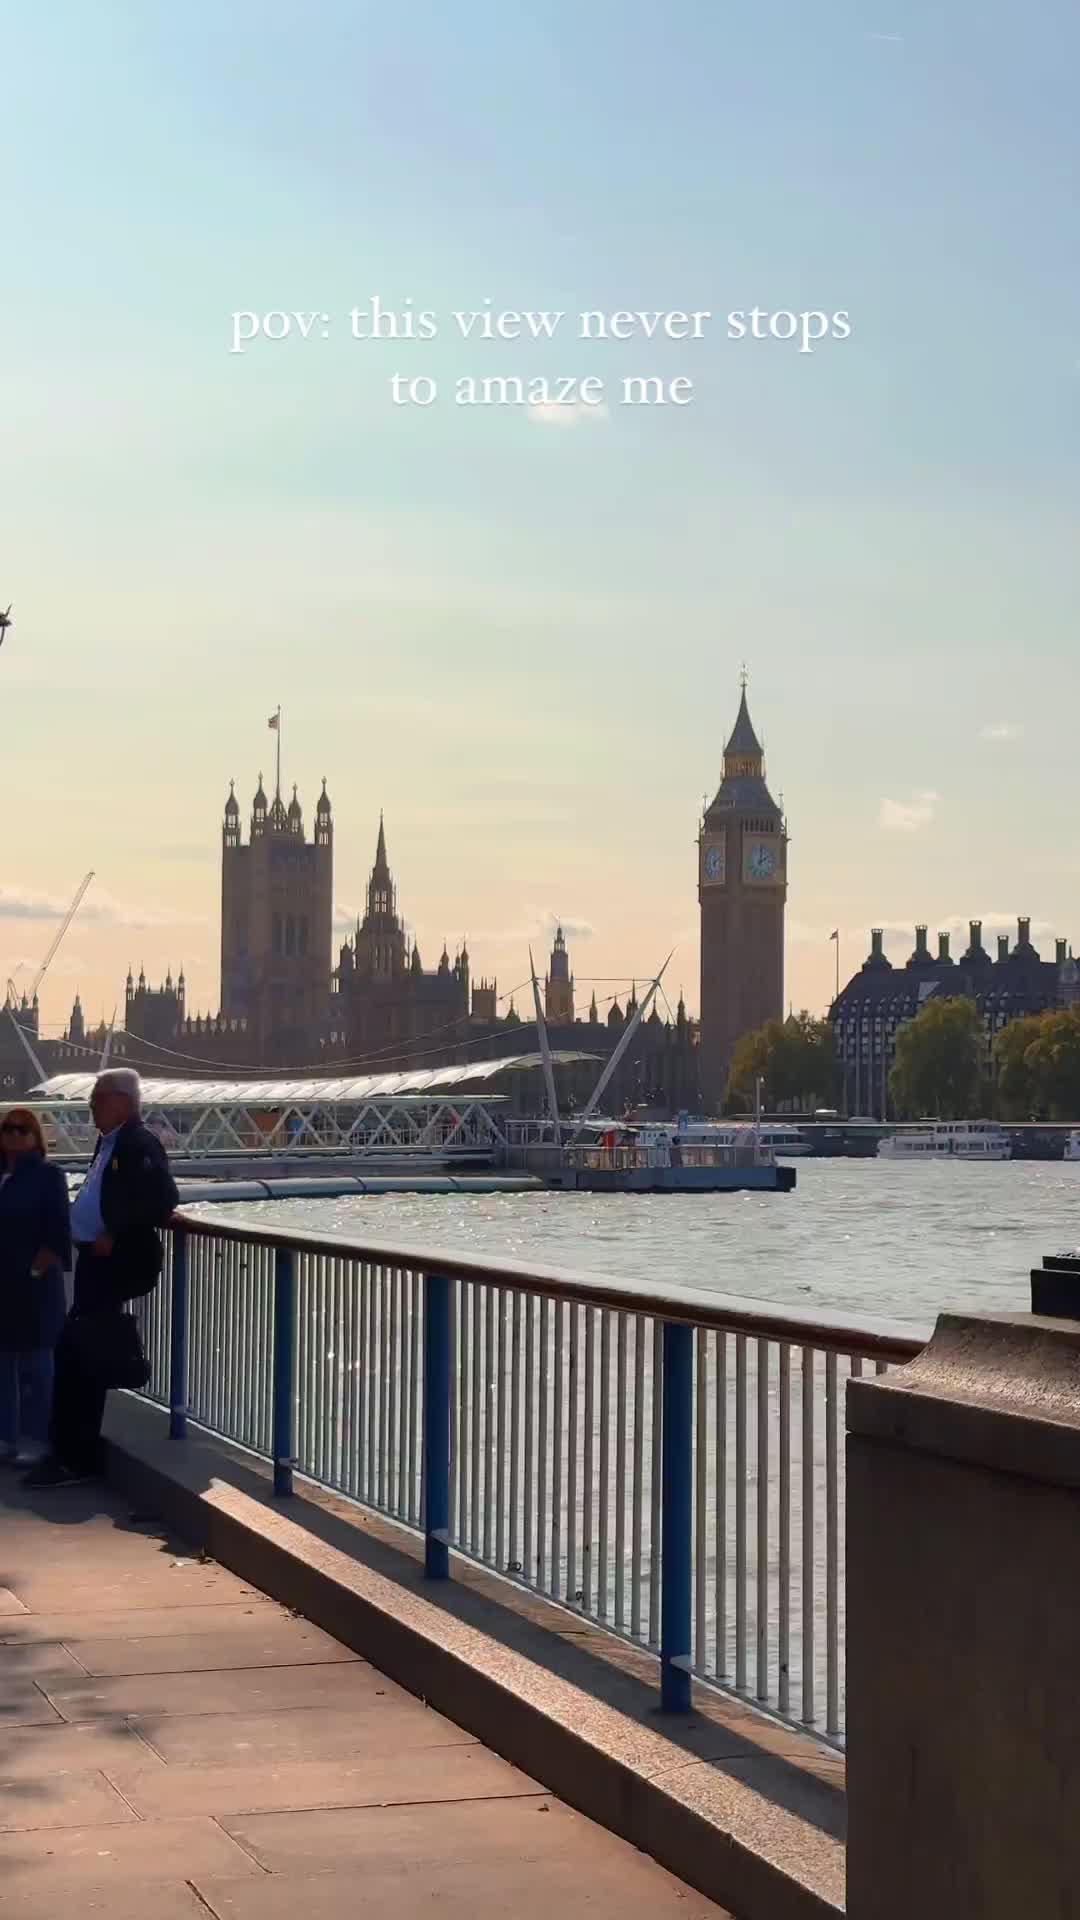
[126,1198]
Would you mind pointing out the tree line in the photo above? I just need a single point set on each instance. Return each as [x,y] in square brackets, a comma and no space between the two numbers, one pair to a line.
[940,1069]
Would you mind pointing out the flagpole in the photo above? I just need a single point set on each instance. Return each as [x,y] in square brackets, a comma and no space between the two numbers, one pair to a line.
[278,783]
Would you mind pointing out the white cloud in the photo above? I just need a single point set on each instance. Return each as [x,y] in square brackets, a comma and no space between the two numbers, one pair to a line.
[892,39]
[538,923]
[551,413]
[18,903]
[908,816]
[1000,730]
[345,918]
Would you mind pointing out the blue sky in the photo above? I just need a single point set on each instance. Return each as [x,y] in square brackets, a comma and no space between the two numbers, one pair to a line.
[523,640]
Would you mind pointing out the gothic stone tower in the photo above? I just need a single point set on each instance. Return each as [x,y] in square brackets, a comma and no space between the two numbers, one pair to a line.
[559,986]
[742,888]
[276,924]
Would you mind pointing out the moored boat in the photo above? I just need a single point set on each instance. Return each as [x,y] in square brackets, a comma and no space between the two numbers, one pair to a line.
[948,1140]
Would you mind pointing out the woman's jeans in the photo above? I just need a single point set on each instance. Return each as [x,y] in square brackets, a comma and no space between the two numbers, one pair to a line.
[26,1381]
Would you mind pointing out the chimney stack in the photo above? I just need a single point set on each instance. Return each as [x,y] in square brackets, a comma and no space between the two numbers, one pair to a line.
[943,946]
[1003,946]
[877,938]
[975,930]
[1023,933]
[1060,952]
[922,951]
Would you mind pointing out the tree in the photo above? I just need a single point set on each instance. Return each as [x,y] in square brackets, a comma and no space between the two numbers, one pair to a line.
[1054,1063]
[1018,1092]
[938,1062]
[795,1058]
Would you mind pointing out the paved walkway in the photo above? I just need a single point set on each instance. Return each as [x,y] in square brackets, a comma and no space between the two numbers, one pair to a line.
[173,1743]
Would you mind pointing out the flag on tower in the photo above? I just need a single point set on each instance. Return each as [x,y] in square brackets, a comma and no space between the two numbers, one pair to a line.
[274,721]
[835,934]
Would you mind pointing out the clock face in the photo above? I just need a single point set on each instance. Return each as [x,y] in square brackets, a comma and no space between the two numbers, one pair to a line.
[714,864]
[762,863]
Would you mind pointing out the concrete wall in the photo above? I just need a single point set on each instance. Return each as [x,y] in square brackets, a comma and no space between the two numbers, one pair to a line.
[963,1627]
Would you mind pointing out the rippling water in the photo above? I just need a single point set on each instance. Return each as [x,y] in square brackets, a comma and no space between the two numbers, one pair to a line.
[862,1236]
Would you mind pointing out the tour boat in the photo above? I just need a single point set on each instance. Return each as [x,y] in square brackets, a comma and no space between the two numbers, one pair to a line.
[1072,1145]
[948,1140]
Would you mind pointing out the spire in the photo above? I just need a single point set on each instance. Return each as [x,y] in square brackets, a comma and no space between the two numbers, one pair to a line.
[323,805]
[382,864]
[744,741]
[232,808]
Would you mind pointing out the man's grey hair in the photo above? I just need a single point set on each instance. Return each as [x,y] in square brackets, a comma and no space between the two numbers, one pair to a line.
[122,1080]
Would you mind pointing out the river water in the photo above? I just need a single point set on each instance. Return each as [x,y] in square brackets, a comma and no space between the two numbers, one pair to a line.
[899,1241]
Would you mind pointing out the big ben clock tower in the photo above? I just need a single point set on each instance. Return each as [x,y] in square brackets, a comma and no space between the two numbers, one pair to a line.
[742,888]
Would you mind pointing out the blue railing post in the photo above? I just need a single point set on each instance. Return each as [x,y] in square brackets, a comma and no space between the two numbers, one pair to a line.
[178,1330]
[284,1324]
[677,1509]
[436,1426]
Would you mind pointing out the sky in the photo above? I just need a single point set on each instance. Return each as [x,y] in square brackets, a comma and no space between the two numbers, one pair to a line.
[519,631]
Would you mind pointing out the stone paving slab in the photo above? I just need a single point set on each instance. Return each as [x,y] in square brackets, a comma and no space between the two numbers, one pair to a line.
[64,1800]
[143,1851]
[286,1643]
[391,1723]
[138,1623]
[383,1780]
[36,1659]
[29,1753]
[236,1692]
[635,1890]
[174,1744]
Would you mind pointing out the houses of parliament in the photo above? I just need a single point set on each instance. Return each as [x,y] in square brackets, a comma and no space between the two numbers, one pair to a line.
[289,1005]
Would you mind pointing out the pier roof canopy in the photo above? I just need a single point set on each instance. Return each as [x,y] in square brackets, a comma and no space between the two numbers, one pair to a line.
[200,1093]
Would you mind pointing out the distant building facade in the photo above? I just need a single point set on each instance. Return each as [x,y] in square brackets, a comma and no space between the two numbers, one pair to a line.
[871,1010]
[277,909]
[742,892]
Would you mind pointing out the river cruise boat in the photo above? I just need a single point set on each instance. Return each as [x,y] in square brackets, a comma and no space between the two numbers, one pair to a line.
[948,1140]
[704,1158]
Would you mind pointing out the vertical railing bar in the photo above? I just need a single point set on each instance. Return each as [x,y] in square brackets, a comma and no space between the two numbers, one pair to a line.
[371,1368]
[656,1481]
[500,1434]
[832,1560]
[516,1435]
[489,1416]
[701,1495]
[542,1446]
[762,1569]
[741,1650]
[603,1571]
[571,1588]
[588,1470]
[284,1330]
[416,1391]
[720,1469]
[638,1489]
[464,1390]
[437,1313]
[476,1430]
[557,1451]
[621,1439]
[807,1651]
[784,1609]
[673,1390]
[529,1465]
[178,1309]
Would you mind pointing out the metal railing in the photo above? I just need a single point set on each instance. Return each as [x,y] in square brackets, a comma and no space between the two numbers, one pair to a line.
[664,1461]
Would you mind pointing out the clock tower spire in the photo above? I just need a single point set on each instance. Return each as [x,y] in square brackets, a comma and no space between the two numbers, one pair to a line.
[742,890]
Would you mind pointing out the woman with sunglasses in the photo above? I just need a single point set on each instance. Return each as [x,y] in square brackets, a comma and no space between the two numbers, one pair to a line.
[35,1248]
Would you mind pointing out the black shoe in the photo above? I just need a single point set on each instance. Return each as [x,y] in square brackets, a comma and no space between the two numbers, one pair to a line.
[53,1473]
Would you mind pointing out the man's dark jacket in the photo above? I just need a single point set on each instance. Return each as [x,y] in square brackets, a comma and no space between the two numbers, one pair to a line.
[138,1194]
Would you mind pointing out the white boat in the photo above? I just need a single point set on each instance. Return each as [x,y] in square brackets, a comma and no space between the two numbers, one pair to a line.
[1072,1145]
[948,1140]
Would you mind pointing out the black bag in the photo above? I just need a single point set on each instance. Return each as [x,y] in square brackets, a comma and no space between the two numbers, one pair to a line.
[109,1347]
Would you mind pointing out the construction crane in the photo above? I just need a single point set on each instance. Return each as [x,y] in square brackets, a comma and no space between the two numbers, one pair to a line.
[13,1004]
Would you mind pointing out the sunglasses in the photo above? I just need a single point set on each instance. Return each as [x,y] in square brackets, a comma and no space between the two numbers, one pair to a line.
[15,1126]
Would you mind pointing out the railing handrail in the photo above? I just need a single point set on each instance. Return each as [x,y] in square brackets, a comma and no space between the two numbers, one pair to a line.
[878,1339]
